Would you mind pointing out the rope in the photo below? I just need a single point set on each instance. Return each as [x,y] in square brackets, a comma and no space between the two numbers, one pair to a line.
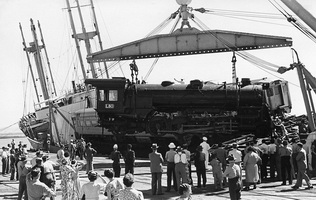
[296,23]
[247,56]
[156,59]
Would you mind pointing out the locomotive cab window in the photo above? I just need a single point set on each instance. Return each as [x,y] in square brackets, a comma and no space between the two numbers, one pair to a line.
[113,95]
[108,95]
[101,95]
[270,92]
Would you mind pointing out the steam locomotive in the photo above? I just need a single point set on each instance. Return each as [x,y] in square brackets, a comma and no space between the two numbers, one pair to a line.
[220,111]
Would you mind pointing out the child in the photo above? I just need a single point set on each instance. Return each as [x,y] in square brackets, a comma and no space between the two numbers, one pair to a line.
[185,192]
[233,174]
[217,172]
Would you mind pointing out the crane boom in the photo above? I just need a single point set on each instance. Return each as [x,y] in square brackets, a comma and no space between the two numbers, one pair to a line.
[189,42]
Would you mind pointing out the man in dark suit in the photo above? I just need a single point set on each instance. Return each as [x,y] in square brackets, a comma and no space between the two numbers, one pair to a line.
[156,161]
[301,167]
[129,160]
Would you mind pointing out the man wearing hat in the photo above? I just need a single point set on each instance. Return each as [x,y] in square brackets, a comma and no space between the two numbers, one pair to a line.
[38,154]
[171,167]
[236,153]
[233,173]
[88,154]
[23,170]
[206,148]
[180,161]
[48,174]
[301,166]
[156,161]
[35,188]
[199,162]
[39,165]
[116,156]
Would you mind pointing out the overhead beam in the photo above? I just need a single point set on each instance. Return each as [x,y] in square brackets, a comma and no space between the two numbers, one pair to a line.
[189,42]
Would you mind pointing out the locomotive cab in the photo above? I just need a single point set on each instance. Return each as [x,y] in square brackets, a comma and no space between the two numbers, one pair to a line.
[109,93]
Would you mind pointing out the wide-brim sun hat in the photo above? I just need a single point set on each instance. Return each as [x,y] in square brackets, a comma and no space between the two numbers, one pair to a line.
[231,158]
[172,145]
[154,146]
[179,149]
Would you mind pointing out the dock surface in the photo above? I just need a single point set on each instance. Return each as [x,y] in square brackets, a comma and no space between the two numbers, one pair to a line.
[265,190]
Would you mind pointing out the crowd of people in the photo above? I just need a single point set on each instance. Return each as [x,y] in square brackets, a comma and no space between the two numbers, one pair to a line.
[286,157]
[37,175]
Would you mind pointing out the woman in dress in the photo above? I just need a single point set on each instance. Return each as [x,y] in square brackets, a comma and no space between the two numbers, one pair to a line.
[67,183]
[113,188]
[250,164]
[76,166]
[129,193]
[91,190]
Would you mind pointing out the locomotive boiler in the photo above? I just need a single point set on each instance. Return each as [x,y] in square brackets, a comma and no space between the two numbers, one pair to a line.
[221,111]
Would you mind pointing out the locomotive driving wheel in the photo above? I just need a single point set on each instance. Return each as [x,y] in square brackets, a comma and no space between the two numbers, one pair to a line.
[157,124]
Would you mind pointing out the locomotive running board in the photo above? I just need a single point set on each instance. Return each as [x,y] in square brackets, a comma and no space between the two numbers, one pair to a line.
[189,42]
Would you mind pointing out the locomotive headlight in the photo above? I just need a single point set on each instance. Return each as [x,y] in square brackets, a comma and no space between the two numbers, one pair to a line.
[183,2]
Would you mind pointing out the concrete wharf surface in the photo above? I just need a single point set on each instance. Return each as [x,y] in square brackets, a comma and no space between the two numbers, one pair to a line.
[266,190]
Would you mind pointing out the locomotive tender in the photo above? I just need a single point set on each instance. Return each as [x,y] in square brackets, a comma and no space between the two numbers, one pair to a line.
[219,111]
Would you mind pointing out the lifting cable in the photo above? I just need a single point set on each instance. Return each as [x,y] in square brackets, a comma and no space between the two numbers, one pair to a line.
[296,23]
[173,16]
[247,56]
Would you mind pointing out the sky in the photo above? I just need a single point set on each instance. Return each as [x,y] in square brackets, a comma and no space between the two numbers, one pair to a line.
[122,21]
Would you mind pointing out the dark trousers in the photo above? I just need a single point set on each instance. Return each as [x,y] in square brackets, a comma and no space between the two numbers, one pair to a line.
[294,163]
[8,166]
[17,171]
[171,174]
[201,172]
[278,166]
[286,169]
[190,173]
[89,165]
[234,188]
[116,169]
[156,183]
[22,188]
[12,171]
[265,159]
[273,165]
[129,168]
[4,165]
[301,174]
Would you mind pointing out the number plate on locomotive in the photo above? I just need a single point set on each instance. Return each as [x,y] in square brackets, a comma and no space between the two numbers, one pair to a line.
[111,106]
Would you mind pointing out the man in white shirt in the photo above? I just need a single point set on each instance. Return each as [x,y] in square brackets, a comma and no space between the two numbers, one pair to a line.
[181,162]
[39,154]
[265,158]
[236,153]
[49,173]
[206,148]
[188,155]
[4,158]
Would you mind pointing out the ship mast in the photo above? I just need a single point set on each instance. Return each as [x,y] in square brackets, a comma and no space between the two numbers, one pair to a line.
[76,40]
[48,63]
[99,37]
[29,62]
[86,38]
[35,48]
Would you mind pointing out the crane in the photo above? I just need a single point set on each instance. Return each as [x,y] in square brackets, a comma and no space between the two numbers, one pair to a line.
[306,79]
